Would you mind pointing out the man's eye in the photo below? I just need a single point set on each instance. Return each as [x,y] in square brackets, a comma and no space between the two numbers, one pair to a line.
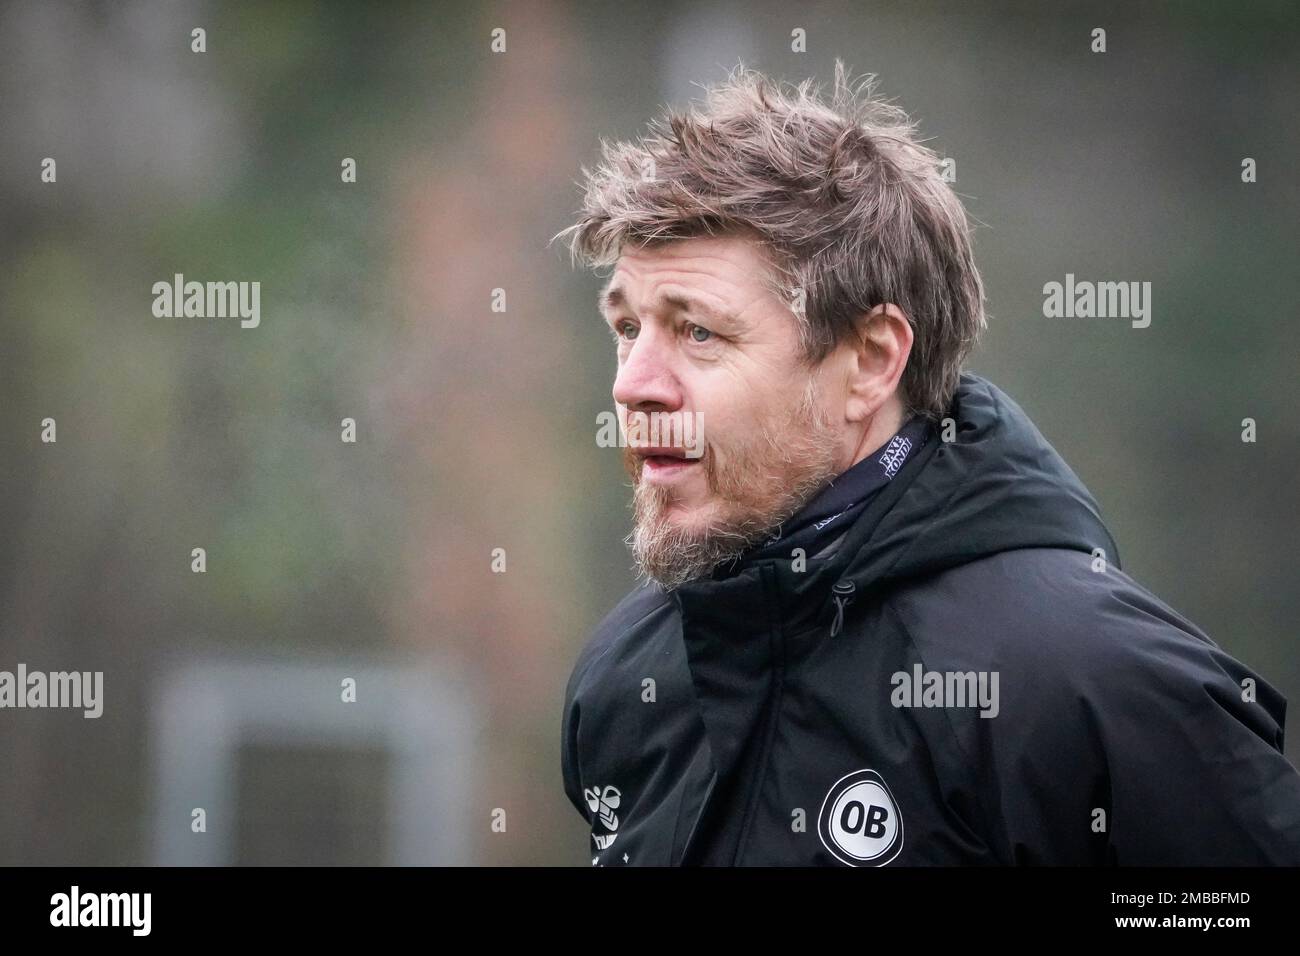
[625,330]
[700,334]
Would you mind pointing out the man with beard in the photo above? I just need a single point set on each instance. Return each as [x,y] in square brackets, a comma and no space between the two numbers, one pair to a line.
[871,543]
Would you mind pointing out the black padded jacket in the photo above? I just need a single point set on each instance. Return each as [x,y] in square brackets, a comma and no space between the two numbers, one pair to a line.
[967,677]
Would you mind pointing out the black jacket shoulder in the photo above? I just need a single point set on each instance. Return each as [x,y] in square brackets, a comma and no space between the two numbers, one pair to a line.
[1120,724]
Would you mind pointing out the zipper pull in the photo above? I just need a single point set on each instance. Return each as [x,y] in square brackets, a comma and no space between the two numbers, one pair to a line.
[842,592]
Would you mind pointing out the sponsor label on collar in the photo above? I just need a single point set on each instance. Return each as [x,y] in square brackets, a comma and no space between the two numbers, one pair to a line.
[895,454]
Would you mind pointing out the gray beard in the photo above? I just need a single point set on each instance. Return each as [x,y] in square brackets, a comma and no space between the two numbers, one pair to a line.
[672,556]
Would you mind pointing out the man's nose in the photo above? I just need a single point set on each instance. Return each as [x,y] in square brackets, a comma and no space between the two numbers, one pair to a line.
[646,378]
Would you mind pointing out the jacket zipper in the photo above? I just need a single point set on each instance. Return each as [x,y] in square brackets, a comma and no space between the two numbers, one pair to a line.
[769,731]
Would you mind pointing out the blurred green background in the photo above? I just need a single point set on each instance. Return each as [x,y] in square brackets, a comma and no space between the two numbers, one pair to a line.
[475,429]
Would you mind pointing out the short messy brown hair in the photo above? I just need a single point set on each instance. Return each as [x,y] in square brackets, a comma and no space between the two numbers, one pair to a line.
[847,204]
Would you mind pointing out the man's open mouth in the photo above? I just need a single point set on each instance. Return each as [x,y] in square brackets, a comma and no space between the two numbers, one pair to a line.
[664,461]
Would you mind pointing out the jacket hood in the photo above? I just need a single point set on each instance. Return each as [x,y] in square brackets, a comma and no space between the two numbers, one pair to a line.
[999,486]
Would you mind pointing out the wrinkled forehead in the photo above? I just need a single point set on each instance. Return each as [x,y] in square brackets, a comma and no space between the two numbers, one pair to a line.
[732,260]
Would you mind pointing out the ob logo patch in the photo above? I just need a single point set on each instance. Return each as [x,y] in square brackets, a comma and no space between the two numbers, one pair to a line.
[859,820]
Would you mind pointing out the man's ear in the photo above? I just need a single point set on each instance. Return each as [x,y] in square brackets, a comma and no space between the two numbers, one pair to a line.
[882,342]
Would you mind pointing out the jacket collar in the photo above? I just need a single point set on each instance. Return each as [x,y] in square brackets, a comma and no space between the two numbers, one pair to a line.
[800,594]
